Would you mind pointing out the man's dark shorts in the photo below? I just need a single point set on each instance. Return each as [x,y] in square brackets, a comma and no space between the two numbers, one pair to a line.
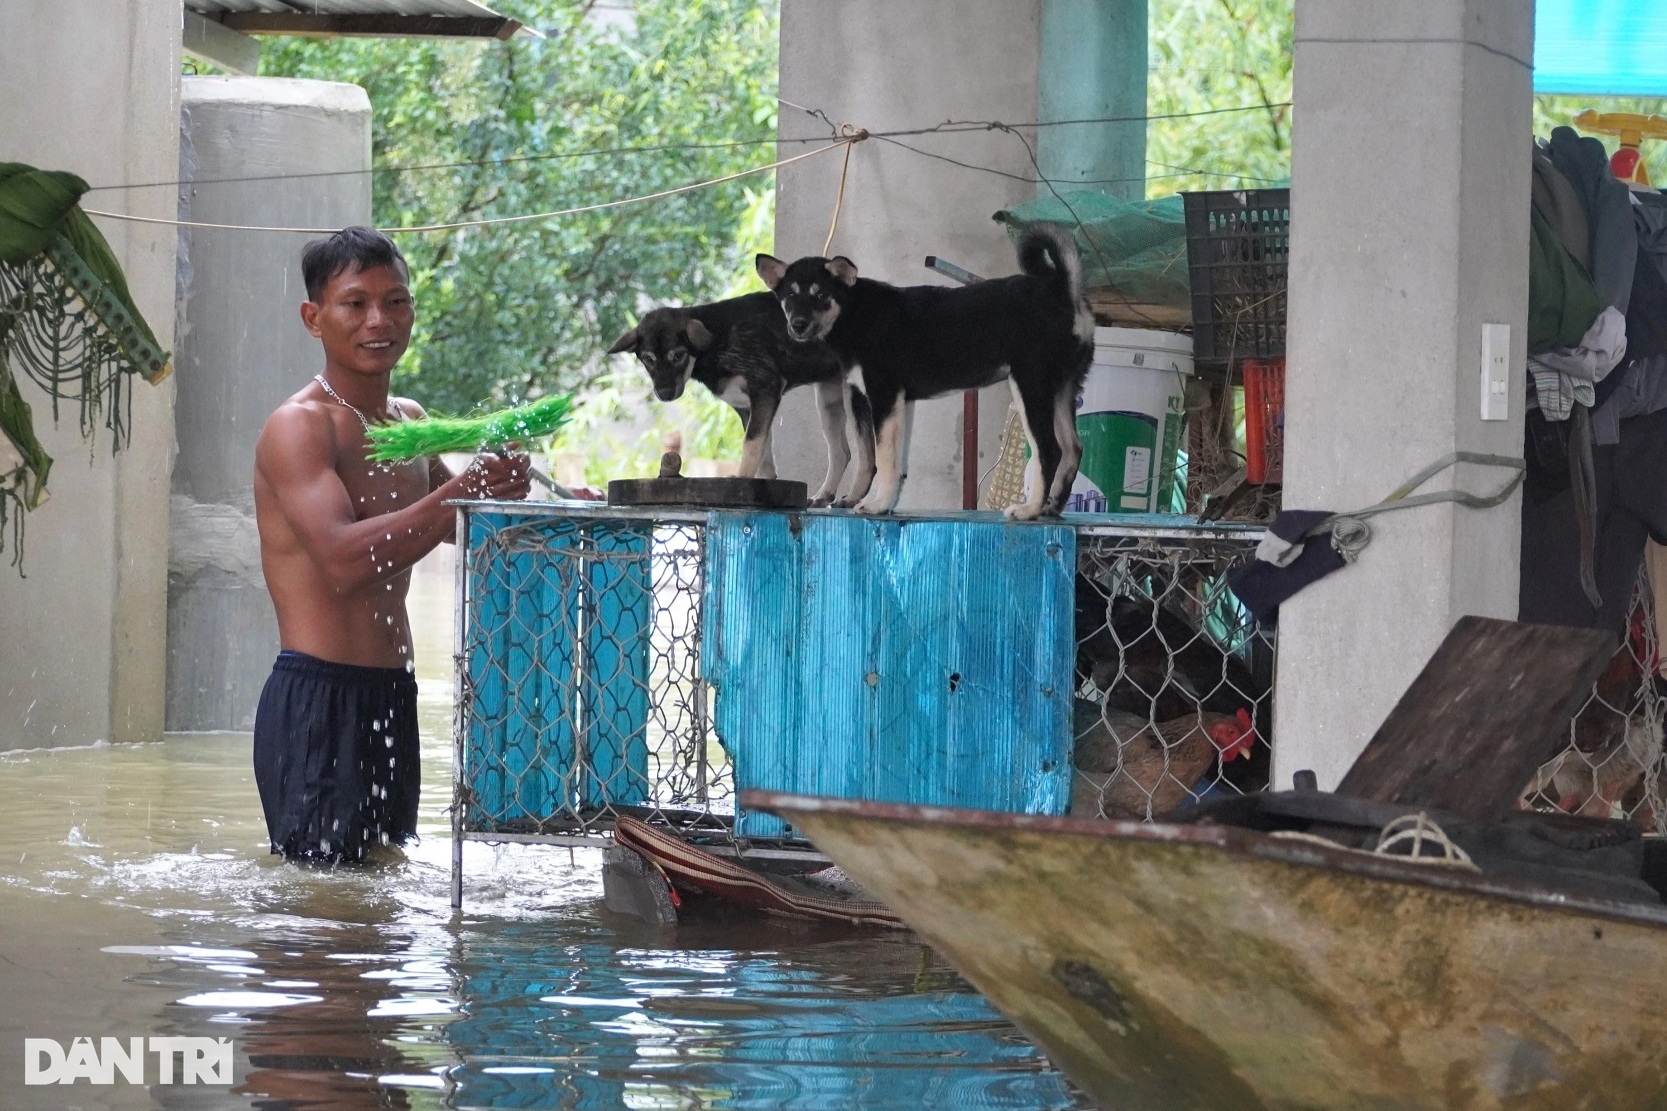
[336,757]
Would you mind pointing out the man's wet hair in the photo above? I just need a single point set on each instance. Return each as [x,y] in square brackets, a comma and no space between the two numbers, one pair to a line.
[356,248]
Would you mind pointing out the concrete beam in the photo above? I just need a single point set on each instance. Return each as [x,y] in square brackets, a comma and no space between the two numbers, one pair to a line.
[1093,65]
[218,45]
[1410,201]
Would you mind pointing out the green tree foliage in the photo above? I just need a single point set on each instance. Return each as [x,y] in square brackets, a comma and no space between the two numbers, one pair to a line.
[1209,54]
[516,310]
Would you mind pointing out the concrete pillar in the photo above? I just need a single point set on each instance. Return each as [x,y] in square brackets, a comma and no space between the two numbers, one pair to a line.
[1093,66]
[91,86]
[242,350]
[901,64]
[1410,199]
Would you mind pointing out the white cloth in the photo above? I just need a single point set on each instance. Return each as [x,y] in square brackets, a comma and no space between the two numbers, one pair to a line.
[1564,377]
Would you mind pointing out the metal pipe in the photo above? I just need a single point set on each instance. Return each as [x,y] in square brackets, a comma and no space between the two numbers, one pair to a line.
[460,716]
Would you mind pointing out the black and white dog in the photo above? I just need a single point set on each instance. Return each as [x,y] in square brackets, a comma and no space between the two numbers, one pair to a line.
[901,344]
[740,350]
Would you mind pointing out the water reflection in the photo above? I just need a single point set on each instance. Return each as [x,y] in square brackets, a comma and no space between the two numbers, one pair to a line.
[137,898]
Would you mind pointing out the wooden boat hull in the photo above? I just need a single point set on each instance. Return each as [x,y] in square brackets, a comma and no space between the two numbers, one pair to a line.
[1194,968]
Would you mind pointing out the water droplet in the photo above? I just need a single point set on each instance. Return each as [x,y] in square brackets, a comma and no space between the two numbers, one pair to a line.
[389,741]
[394,494]
[409,666]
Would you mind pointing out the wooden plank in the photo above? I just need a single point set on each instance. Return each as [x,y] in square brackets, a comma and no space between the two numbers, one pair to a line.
[1112,307]
[1491,706]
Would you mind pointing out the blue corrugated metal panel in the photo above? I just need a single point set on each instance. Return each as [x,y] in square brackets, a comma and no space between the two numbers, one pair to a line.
[898,660]
[615,674]
[558,665]
[523,617]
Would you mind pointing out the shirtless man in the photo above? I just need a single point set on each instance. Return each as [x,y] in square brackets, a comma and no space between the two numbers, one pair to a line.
[336,755]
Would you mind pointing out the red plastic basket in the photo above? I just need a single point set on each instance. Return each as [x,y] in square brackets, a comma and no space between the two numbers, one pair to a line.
[1264,420]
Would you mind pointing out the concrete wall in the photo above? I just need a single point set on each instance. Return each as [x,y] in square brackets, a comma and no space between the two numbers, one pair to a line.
[91,86]
[1410,200]
[242,350]
[894,64]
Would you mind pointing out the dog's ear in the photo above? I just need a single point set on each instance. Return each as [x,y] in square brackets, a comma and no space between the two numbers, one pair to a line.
[699,338]
[771,269]
[843,269]
[628,342]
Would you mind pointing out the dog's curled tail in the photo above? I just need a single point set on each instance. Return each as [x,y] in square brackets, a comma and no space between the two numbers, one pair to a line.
[1050,251]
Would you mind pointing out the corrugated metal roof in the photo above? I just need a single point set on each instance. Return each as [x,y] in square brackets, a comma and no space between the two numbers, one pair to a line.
[897,660]
[460,18]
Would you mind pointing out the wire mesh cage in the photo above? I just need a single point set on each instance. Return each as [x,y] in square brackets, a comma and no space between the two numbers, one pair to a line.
[580,688]
[1174,678]
[1612,766]
[585,691]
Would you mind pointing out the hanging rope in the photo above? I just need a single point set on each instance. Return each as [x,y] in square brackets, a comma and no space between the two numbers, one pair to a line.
[494,220]
[1350,534]
[855,135]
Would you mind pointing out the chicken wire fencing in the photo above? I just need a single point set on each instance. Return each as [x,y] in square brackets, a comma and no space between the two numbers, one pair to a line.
[1174,693]
[1612,766]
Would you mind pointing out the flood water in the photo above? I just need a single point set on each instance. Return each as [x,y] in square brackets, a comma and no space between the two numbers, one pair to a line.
[138,899]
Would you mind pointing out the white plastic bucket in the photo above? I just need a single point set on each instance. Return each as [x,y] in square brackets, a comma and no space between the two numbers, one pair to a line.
[1130,415]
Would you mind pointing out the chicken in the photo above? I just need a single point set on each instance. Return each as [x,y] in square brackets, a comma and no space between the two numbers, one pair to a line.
[1614,745]
[1148,661]
[1126,768]
[1592,783]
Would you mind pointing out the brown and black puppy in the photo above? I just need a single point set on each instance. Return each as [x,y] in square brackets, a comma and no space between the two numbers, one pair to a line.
[740,350]
[901,344]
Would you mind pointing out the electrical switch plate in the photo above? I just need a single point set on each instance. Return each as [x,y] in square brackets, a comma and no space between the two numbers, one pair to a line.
[1496,371]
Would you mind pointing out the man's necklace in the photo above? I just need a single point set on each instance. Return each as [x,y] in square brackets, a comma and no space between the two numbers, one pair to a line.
[352,408]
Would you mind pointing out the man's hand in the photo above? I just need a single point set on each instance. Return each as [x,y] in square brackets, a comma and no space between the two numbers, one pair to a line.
[497,477]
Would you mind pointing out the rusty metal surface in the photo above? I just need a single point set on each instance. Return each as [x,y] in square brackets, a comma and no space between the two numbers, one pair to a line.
[1174,968]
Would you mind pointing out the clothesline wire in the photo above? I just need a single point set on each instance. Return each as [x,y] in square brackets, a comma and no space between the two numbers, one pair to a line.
[491,220]
[844,135]
[1179,171]
[950,127]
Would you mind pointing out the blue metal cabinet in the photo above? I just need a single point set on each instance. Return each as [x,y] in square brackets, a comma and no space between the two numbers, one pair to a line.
[922,661]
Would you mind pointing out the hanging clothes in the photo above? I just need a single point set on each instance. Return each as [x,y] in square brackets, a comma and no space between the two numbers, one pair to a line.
[1565,376]
[1562,300]
[1614,240]
[1630,480]
[1559,205]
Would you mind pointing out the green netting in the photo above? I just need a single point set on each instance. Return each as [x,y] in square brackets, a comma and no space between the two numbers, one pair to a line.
[1138,248]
